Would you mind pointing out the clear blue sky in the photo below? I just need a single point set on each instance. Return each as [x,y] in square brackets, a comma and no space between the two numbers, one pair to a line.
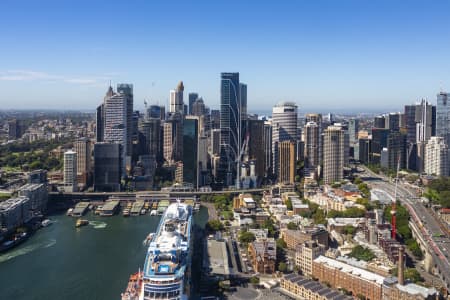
[324,55]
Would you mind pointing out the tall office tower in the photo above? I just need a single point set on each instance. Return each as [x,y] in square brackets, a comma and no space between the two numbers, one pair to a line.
[333,154]
[317,118]
[379,122]
[107,167]
[203,173]
[190,150]
[244,117]
[14,129]
[353,127]
[424,121]
[156,111]
[83,150]
[176,99]
[215,119]
[284,128]
[126,90]
[173,138]
[192,98]
[198,108]
[267,140]
[230,126]
[436,157]
[115,122]
[287,155]
[311,140]
[256,145]
[443,116]
[100,122]
[396,145]
[379,139]
[215,142]
[393,122]
[70,171]
[151,129]
[364,151]
[410,123]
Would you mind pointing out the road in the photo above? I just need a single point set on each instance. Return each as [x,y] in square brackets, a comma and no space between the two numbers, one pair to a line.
[431,231]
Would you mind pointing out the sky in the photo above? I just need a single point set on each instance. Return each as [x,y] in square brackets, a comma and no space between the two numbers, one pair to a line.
[324,55]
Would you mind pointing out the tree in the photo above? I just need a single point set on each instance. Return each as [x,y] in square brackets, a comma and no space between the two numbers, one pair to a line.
[413,275]
[282,267]
[357,180]
[281,243]
[254,280]
[349,229]
[362,253]
[246,237]
[292,226]
[214,225]
[289,204]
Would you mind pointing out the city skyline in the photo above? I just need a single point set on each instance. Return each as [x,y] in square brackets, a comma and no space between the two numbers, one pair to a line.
[326,54]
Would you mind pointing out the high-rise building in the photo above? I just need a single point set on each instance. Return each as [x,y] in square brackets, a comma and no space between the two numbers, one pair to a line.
[317,118]
[379,122]
[333,154]
[396,145]
[157,112]
[215,142]
[311,140]
[83,150]
[284,128]
[14,129]
[287,155]
[267,141]
[353,127]
[70,171]
[306,253]
[151,129]
[198,108]
[256,145]
[393,122]
[436,157]
[126,90]
[100,122]
[424,117]
[230,126]
[176,99]
[173,138]
[443,116]
[190,150]
[107,170]
[192,98]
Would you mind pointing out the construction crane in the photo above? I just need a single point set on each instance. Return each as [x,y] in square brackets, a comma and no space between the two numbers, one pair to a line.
[394,205]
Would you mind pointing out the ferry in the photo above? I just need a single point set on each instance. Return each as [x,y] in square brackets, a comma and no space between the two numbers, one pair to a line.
[168,256]
[81,222]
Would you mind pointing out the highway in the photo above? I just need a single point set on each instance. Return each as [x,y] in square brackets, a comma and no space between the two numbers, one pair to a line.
[431,231]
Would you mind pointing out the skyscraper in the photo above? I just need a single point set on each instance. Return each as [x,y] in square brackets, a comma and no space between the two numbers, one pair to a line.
[192,98]
[396,144]
[379,122]
[230,128]
[151,129]
[284,128]
[190,150]
[333,154]
[176,99]
[83,150]
[126,90]
[256,145]
[353,127]
[436,157]
[70,171]
[267,141]
[443,116]
[173,138]
[287,155]
[393,122]
[312,139]
[107,167]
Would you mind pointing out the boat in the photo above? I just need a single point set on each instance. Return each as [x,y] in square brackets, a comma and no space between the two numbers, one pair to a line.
[81,222]
[148,239]
[153,212]
[15,240]
[46,222]
[69,212]
[126,212]
[143,211]
[134,287]
[168,256]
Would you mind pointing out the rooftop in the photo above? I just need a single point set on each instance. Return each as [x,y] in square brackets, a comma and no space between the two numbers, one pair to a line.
[415,289]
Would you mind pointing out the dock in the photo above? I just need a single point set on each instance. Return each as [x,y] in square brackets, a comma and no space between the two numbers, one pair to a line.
[137,207]
[80,209]
[109,208]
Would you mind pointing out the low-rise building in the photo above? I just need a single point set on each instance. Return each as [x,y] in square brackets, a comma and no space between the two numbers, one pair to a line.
[355,280]
[263,254]
[305,253]
[303,288]
[14,212]
[313,233]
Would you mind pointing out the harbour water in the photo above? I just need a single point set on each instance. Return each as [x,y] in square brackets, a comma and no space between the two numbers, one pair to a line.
[91,262]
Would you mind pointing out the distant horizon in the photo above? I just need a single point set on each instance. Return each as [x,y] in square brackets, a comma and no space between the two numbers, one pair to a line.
[377,55]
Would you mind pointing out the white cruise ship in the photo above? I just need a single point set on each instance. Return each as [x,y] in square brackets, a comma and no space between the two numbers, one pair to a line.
[168,255]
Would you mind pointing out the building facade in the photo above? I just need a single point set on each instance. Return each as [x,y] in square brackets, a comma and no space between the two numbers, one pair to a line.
[70,171]
[333,154]
[436,157]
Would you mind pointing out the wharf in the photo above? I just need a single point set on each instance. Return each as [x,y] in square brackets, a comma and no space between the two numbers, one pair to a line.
[80,209]
[137,207]
[109,208]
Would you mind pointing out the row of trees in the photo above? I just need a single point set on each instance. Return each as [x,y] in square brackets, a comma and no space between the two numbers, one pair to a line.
[439,192]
